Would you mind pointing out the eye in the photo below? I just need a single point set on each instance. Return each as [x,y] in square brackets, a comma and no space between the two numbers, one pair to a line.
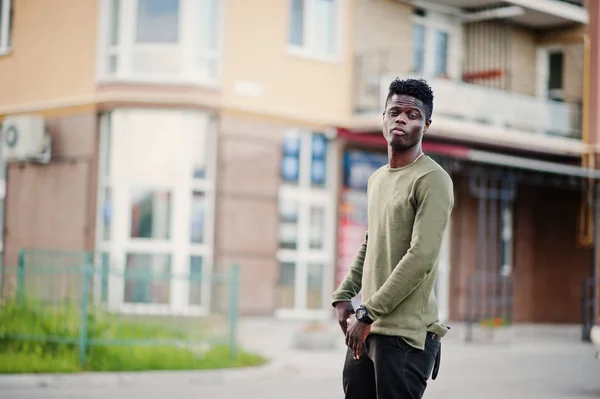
[413,115]
[393,113]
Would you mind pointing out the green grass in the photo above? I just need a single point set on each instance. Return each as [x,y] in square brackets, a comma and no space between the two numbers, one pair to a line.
[115,349]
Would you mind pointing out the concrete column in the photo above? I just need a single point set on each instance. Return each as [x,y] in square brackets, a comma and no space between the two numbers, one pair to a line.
[594,108]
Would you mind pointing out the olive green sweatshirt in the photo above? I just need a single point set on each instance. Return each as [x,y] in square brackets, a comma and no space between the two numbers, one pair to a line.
[396,266]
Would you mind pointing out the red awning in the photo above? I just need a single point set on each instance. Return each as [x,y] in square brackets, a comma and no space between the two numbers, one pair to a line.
[478,156]
[377,141]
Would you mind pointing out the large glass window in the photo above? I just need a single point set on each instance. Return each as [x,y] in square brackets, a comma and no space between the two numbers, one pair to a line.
[313,27]
[157,21]
[150,214]
[418,47]
[434,38]
[147,278]
[155,208]
[306,214]
[441,53]
[161,40]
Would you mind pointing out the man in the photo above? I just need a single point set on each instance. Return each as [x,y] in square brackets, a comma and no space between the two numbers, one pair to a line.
[393,338]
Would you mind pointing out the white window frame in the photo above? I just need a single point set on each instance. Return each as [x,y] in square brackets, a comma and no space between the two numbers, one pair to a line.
[306,196]
[307,50]
[5,27]
[436,21]
[186,47]
[178,246]
[543,68]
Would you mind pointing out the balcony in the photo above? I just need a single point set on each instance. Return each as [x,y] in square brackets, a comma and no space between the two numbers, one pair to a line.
[486,106]
[526,97]
[538,14]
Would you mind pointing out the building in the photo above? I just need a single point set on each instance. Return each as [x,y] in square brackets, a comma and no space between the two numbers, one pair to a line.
[197,89]
[511,127]
[191,134]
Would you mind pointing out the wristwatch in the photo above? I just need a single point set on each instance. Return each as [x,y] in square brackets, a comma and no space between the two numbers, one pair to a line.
[362,315]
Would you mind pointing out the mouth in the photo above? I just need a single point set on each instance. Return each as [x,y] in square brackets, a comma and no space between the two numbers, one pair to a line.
[398,132]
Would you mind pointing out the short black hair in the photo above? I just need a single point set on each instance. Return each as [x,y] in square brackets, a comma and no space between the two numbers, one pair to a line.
[417,88]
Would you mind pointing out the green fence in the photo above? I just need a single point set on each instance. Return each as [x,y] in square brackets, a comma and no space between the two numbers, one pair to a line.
[66,298]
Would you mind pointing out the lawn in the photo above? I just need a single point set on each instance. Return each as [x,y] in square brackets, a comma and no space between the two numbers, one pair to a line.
[116,343]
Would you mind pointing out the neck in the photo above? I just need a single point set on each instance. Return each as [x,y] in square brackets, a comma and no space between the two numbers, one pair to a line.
[400,158]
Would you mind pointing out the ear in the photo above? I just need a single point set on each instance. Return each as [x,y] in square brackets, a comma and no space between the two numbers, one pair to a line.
[427,124]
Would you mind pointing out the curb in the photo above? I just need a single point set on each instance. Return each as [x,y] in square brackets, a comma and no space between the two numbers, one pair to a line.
[120,379]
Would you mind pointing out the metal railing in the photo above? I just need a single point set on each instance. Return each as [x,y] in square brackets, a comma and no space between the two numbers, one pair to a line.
[497,96]
[489,300]
[64,298]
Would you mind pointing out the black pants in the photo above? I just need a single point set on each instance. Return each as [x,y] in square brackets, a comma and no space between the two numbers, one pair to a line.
[389,368]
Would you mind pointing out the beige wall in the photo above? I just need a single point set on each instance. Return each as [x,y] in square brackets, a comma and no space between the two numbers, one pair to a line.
[383,43]
[247,219]
[524,61]
[53,55]
[52,206]
[303,89]
[384,24]
[573,73]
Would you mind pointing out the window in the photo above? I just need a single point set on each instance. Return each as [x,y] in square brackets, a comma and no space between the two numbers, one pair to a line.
[555,74]
[435,36]
[160,40]
[314,27]
[306,220]
[6,11]
[418,47]
[155,209]
[441,53]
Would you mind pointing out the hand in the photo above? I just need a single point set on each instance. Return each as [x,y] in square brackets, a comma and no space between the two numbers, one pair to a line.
[343,311]
[356,335]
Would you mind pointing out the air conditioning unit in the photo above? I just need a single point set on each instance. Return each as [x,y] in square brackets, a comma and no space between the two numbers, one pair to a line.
[25,139]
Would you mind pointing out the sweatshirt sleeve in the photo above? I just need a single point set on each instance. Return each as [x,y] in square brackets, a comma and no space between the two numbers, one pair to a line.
[434,202]
[351,285]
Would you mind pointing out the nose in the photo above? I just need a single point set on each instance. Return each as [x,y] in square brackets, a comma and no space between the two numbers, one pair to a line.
[401,119]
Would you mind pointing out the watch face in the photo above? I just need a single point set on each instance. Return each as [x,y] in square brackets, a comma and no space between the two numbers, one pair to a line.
[360,313]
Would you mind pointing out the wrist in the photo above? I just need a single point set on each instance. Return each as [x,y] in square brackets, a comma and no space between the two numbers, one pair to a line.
[362,315]
[343,303]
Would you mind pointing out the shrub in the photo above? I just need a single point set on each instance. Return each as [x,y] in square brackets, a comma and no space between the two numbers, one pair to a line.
[41,337]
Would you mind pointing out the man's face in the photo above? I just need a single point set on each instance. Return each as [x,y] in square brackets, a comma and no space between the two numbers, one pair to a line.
[404,122]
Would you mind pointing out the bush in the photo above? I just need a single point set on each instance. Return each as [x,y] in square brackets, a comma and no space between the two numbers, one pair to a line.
[38,337]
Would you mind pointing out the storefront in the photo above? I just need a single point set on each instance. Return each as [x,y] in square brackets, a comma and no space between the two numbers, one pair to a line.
[515,247]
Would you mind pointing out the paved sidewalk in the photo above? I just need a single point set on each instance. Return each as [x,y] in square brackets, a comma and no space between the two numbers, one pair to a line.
[530,366]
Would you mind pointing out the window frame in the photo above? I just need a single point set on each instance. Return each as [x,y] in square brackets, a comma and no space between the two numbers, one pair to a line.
[179,246]
[308,196]
[434,22]
[6,21]
[543,53]
[308,50]
[188,47]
